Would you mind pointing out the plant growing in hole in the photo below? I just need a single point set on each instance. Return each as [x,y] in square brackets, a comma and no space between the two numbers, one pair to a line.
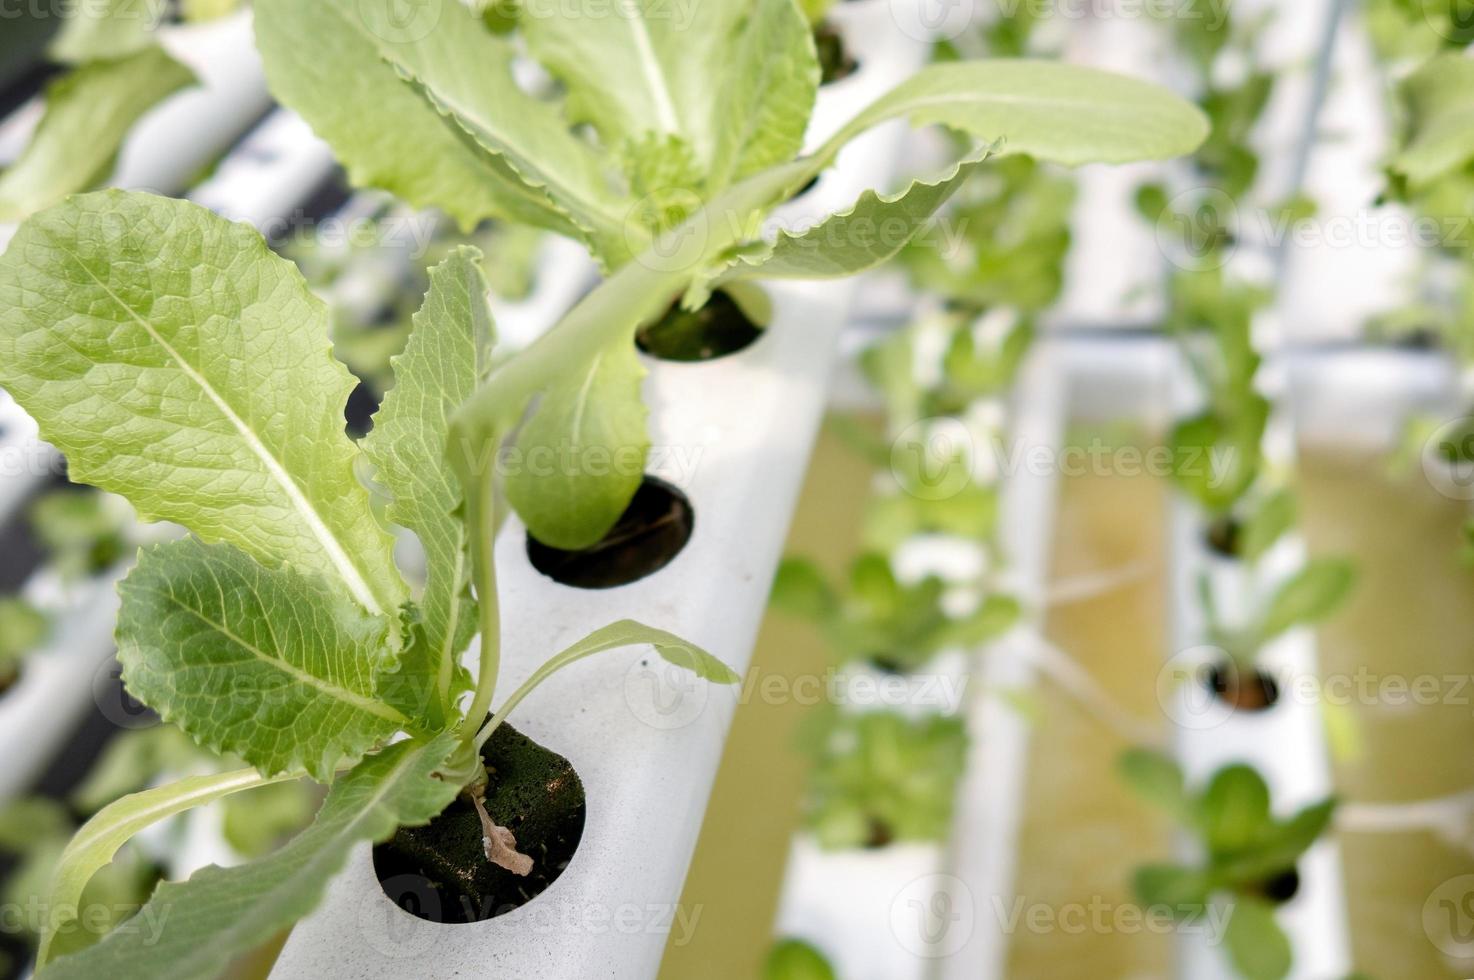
[1310,596]
[281,632]
[880,778]
[1248,862]
[896,626]
[794,959]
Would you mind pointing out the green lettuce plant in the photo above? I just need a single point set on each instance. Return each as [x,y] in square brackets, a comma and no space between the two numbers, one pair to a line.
[674,159]
[281,631]
[880,777]
[180,364]
[896,626]
[1247,860]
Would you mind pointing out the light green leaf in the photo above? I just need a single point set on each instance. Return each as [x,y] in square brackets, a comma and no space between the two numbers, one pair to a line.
[605,322]
[769,97]
[98,841]
[88,113]
[792,959]
[448,354]
[1181,891]
[176,361]
[581,456]
[1157,779]
[1312,595]
[1439,99]
[616,636]
[132,761]
[265,663]
[1057,112]
[106,29]
[30,821]
[389,135]
[638,66]
[192,930]
[22,628]
[1269,522]
[1281,846]
[465,72]
[801,589]
[868,235]
[1256,944]
[1234,810]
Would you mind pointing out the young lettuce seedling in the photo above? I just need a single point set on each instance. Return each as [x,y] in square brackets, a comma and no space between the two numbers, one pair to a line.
[1308,597]
[1248,863]
[880,777]
[895,626]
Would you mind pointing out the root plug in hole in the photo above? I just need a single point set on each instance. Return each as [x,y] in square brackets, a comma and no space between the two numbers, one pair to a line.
[1282,887]
[440,873]
[1225,537]
[651,532]
[835,62]
[718,329]
[1250,691]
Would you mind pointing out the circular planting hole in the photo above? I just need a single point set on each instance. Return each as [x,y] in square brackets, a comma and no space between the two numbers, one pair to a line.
[889,665]
[716,330]
[1250,691]
[440,873]
[835,62]
[881,835]
[1225,537]
[1281,888]
[649,534]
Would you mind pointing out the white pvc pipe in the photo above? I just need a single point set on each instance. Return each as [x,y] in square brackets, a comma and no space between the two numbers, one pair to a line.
[735,435]
[990,801]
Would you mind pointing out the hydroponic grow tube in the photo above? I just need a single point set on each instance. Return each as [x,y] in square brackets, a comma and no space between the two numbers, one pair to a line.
[734,435]
[990,801]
